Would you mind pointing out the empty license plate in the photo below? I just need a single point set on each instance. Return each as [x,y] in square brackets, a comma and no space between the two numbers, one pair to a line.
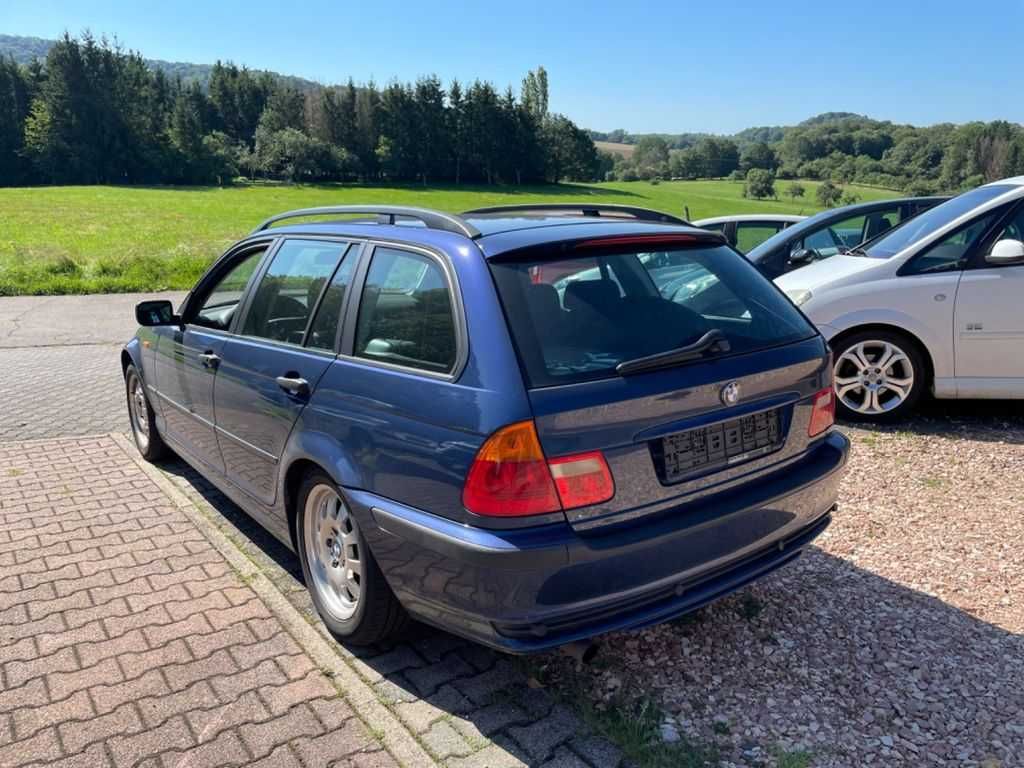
[720,444]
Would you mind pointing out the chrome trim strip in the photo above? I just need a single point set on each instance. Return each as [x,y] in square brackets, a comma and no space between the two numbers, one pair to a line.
[184,409]
[219,430]
[246,444]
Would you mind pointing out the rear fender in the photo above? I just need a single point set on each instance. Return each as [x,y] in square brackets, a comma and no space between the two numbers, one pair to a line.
[308,446]
[324,450]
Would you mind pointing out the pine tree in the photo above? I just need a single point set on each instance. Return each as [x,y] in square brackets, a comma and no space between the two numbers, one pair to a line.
[14,109]
[456,125]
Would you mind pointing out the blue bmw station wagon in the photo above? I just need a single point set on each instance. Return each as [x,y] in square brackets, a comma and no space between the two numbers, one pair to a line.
[526,425]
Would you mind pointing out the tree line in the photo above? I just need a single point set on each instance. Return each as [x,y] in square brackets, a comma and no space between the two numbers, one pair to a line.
[91,113]
[838,147]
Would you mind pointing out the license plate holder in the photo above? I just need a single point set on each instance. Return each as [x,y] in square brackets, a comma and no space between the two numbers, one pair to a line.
[706,449]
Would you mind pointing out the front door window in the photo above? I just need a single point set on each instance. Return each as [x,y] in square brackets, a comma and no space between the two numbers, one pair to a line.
[289,291]
[218,307]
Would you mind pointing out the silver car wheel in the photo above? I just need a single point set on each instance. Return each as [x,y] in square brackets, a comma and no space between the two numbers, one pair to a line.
[873,377]
[334,551]
[139,413]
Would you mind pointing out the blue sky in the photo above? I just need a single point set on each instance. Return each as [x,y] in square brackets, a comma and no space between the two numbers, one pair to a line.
[666,66]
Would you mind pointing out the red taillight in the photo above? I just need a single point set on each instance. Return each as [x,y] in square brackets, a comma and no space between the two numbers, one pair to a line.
[510,477]
[582,479]
[823,412]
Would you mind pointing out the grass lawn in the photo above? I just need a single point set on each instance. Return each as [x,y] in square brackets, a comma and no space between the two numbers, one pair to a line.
[116,239]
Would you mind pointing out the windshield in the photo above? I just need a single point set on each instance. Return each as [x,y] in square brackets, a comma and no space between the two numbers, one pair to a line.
[929,222]
[576,318]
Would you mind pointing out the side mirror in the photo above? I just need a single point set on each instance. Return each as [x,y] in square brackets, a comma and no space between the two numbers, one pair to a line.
[1006,252]
[158,312]
[802,256]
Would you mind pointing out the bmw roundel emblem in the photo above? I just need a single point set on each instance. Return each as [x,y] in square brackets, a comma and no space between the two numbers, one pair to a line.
[730,393]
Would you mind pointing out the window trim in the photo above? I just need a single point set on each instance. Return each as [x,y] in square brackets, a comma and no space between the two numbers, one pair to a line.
[228,261]
[238,324]
[358,248]
[351,311]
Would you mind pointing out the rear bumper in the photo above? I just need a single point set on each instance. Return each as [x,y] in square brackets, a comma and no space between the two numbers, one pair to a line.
[525,590]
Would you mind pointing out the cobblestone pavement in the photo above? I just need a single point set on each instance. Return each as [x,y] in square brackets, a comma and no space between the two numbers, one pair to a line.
[469,706]
[127,639]
[60,357]
[28,321]
[61,391]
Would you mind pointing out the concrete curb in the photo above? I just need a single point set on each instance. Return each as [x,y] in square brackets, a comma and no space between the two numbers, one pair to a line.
[393,734]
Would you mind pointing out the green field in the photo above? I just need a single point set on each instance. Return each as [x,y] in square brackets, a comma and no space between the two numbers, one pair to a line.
[116,239]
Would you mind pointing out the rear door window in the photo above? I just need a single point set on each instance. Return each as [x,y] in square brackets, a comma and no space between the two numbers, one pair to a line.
[405,313]
[288,291]
[323,331]
[575,319]
[751,234]
[879,222]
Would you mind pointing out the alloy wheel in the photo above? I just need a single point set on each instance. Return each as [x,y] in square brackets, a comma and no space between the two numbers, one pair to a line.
[873,377]
[139,413]
[334,551]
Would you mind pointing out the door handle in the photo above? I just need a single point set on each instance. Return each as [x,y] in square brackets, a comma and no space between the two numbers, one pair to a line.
[293,385]
[209,359]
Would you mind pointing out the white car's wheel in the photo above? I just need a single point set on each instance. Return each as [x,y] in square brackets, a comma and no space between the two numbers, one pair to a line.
[879,376]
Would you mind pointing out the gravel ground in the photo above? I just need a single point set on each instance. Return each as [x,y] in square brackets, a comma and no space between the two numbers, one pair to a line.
[897,640]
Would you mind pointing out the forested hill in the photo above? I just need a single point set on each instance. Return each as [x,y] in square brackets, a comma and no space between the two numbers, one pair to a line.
[841,147]
[25,50]
[92,113]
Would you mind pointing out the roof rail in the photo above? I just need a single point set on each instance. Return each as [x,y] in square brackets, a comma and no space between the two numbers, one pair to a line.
[587,209]
[386,214]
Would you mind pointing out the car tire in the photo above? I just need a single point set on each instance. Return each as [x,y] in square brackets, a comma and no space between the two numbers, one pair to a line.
[346,584]
[879,376]
[140,413]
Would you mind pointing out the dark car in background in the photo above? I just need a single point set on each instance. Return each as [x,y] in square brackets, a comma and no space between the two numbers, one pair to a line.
[498,423]
[834,231]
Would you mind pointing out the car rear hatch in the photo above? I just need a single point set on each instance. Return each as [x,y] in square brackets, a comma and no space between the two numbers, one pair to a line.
[671,356]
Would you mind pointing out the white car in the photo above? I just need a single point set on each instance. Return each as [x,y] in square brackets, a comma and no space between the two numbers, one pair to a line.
[937,303]
[746,231]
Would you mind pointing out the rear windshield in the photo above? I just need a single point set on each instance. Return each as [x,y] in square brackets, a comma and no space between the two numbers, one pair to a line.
[576,318]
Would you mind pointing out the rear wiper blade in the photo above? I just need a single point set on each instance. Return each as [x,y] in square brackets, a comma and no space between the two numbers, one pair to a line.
[712,342]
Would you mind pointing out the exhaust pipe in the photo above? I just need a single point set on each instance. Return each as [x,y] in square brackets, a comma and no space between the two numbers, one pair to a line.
[582,651]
